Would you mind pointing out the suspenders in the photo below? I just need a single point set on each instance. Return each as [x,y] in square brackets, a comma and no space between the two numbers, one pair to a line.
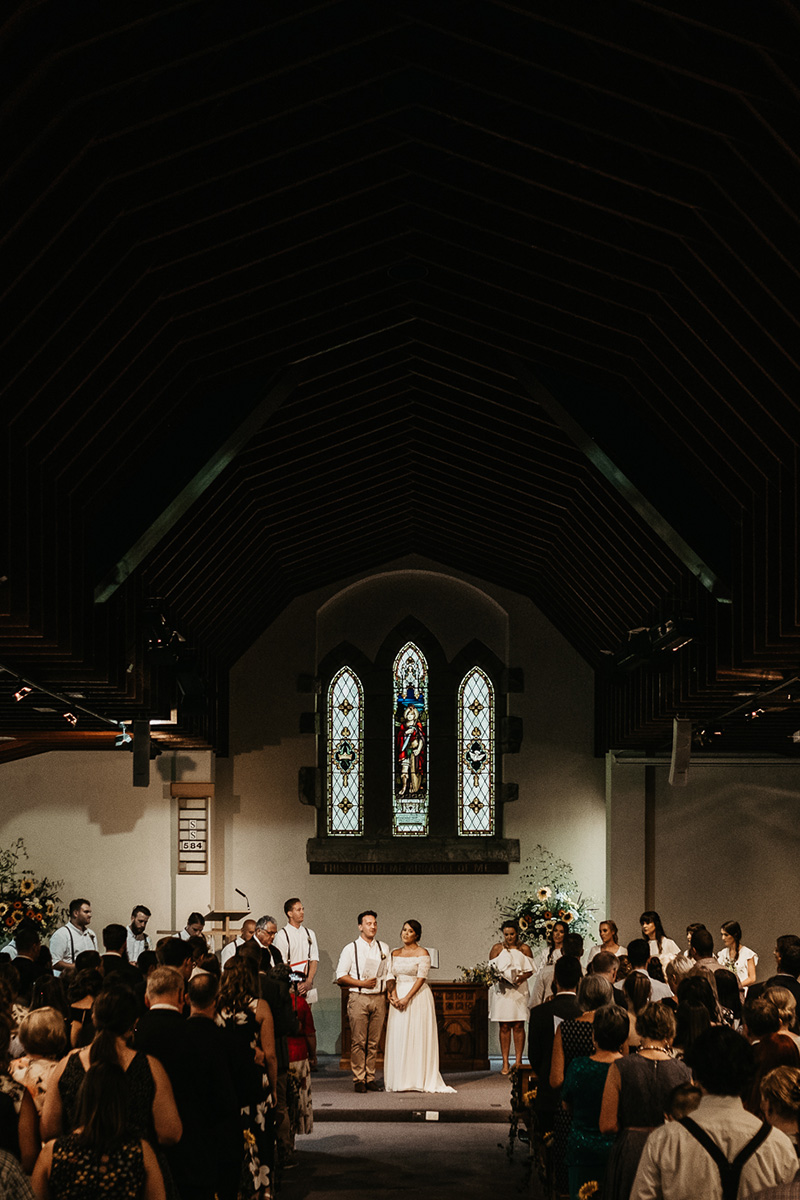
[729,1172]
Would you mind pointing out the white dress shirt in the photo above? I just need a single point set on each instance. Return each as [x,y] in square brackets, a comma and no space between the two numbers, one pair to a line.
[365,960]
[298,947]
[136,946]
[69,941]
[674,1166]
[229,949]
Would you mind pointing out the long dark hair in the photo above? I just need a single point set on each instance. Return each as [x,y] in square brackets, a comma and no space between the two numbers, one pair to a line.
[735,930]
[239,985]
[656,919]
[637,990]
[102,1107]
[550,941]
[114,1015]
[415,925]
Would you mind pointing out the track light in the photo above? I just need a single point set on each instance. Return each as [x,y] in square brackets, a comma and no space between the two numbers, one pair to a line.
[68,716]
[22,693]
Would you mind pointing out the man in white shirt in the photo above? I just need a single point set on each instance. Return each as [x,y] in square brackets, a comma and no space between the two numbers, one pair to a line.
[298,946]
[684,1160]
[362,969]
[195,923]
[638,954]
[68,941]
[137,940]
[246,935]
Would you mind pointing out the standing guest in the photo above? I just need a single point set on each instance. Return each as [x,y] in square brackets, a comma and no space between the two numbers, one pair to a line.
[508,999]
[19,1122]
[787,958]
[247,932]
[301,1047]
[582,1094]
[701,951]
[216,1103]
[136,939]
[780,1103]
[102,1157]
[151,1107]
[82,991]
[636,1095]
[609,941]
[115,959]
[145,963]
[44,1041]
[786,1005]
[250,1044]
[266,929]
[29,948]
[541,1036]
[661,947]
[682,1160]
[729,997]
[677,970]
[195,924]
[68,941]
[14,1184]
[761,1025]
[736,957]
[362,969]
[542,986]
[177,953]
[298,947]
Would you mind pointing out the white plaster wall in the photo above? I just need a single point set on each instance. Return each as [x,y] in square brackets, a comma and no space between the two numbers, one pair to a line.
[727,848]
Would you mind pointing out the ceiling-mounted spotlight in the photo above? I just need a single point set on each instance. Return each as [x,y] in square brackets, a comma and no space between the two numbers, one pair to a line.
[22,693]
[68,716]
[124,736]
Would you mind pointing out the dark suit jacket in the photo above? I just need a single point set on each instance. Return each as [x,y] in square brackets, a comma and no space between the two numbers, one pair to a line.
[541,1035]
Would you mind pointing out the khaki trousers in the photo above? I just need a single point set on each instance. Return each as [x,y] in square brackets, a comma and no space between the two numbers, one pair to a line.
[366,1013]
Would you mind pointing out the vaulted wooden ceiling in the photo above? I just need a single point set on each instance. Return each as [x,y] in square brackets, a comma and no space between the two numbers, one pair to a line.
[291,291]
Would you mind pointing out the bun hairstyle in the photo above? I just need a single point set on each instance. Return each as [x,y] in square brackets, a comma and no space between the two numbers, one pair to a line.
[780,1089]
[415,925]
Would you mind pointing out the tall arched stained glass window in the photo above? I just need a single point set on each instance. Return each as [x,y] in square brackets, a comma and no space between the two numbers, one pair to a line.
[411,748]
[476,755]
[345,755]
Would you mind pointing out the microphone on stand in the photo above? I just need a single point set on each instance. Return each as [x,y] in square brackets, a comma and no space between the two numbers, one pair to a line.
[238,893]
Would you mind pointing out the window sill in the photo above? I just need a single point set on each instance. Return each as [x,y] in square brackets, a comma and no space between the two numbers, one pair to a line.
[411,856]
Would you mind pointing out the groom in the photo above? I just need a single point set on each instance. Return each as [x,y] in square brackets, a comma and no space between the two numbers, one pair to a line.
[362,968]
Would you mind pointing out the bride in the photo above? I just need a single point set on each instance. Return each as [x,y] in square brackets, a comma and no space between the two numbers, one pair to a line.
[411,1059]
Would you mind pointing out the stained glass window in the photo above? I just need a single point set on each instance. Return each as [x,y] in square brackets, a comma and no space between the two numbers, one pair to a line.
[476,755]
[345,755]
[411,748]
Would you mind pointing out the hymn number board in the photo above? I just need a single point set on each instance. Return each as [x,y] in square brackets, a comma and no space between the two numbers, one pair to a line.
[193,836]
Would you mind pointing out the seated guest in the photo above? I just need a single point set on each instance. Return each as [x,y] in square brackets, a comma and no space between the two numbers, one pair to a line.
[587,1148]
[636,1095]
[102,1157]
[771,1048]
[44,1041]
[683,1160]
[19,1122]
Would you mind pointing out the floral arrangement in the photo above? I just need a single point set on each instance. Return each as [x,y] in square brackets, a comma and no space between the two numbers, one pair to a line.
[549,894]
[23,897]
[589,1189]
[485,973]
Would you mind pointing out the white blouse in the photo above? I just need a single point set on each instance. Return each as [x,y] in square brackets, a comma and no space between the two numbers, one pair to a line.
[739,967]
[669,950]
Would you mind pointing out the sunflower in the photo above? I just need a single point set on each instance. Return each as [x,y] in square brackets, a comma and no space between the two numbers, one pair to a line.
[30,914]
[523,923]
[38,917]
[543,893]
[49,908]
[17,904]
[17,916]
[3,908]
[10,922]
[548,916]
[26,887]
[568,916]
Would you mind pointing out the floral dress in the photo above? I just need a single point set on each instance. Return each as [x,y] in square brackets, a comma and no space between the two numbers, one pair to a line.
[34,1074]
[255,1102]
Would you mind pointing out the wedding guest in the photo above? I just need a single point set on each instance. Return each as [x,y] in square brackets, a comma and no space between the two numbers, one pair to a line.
[638,954]
[786,1005]
[761,1025]
[609,941]
[542,985]
[301,1111]
[736,957]
[636,1096]
[701,951]
[661,947]
[681,1159]
[82,990]
[787,958]
[541,1036]
[19,1122]
[780,1102]
[588,1149]
[44,1041]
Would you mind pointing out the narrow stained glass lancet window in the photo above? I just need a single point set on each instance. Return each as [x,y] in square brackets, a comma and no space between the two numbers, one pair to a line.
[345,755]
[411,749]
[476,755]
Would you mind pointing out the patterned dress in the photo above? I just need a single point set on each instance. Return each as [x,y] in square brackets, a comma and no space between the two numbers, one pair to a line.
[255,1103]
[141,1093]
[301,1112]
[34,1074]
[576,1038]
[587,1148]
[78,1173]
[11,1097]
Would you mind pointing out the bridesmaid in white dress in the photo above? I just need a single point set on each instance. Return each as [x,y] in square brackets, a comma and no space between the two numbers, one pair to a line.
[411,1059]
[508,1000]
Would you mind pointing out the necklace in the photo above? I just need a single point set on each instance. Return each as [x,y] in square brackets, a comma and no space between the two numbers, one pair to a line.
[661,1049]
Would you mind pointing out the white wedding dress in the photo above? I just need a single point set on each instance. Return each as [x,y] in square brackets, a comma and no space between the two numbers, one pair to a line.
[411,1058]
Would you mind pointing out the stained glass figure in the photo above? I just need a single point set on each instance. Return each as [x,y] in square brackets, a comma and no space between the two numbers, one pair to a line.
[345,755]
[411,749]
[476,770]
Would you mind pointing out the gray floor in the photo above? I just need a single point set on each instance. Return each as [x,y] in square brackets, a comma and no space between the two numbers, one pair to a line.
[431,1147]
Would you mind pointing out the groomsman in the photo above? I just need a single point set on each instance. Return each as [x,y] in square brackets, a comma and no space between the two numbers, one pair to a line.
[298,947]
[362,969]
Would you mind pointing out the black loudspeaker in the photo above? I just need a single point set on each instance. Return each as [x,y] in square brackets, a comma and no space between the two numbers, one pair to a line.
[141,753]
[681,752]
